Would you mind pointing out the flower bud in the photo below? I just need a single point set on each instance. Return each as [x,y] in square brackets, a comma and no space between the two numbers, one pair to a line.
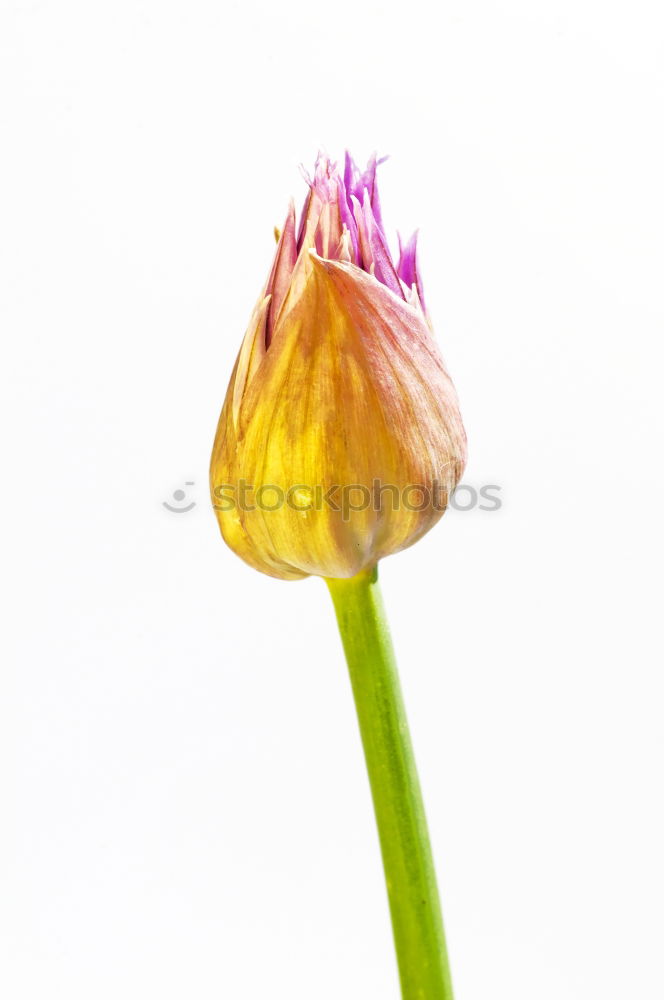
[340,440]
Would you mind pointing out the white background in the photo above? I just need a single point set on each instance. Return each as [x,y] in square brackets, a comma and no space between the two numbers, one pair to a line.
[186,813]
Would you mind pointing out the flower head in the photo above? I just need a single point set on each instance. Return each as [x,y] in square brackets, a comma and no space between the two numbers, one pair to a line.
[340,439]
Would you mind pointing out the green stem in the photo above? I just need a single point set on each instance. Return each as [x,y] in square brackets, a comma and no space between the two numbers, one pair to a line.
[409,872]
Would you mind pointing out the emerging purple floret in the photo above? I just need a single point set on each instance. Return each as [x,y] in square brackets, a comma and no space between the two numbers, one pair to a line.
[341,219]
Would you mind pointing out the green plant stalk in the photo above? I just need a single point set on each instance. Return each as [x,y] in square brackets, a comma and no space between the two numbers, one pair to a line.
[402,828]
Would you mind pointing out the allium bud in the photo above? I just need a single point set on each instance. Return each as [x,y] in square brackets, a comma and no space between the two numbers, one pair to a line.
[340,439]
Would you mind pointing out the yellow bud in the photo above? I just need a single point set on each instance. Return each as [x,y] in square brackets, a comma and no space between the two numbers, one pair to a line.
[341,443]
